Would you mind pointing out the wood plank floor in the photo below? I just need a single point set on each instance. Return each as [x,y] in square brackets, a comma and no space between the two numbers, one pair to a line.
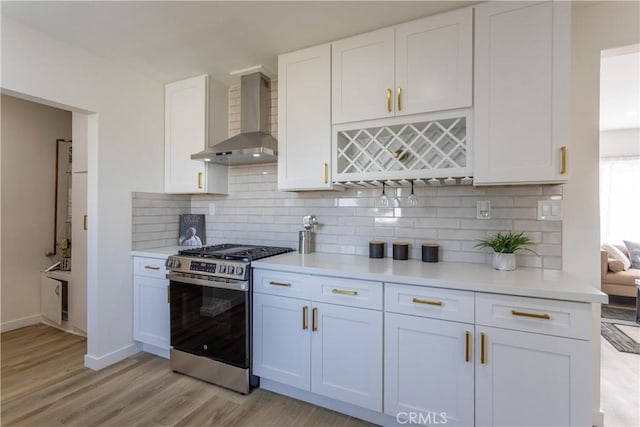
[45,383]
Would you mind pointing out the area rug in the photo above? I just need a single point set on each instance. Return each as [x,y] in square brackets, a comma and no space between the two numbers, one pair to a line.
[614,320]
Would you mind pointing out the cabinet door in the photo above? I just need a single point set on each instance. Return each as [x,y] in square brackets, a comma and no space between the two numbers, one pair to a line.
[51,299]
[531,379]
[281,341]
[434,63]
[185,134]
[304,119]
[151,311]
[346,355]
[429,369]
[362,75]
[521,92]
[78,286]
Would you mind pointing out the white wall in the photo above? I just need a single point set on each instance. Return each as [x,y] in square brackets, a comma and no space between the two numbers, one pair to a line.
[128,156]
[595,26]
[29,133]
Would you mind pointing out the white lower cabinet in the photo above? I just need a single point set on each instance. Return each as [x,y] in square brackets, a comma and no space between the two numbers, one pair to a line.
[331,350]
[151,306]
[524,378]
[429,370]
[281,343]
[451,357]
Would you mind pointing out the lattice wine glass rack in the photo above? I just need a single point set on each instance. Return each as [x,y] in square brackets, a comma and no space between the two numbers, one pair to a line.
[431,150]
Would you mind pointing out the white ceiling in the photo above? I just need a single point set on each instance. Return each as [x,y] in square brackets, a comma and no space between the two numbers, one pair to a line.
[620,90]
[172,40]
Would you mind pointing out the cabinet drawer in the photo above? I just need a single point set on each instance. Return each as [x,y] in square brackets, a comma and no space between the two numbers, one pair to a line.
[422,301]
[550,317]
[286,284]
[149,267]
[350,292]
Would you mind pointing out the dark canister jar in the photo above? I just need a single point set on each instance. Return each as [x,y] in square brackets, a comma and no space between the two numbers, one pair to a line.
[430,252]
[401,251]
[376,249]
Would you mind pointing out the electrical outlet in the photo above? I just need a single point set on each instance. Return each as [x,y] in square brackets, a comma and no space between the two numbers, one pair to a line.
[212,208]
[483,209]
[549,210]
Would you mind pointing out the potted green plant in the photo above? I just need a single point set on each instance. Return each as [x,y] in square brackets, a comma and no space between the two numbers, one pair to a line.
[504,247]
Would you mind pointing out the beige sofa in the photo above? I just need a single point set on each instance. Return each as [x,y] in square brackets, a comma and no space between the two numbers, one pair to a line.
[621,283]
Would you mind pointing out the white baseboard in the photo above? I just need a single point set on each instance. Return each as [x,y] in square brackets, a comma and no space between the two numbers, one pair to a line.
[597,420]
[158,351]
[20,323]
[100,362]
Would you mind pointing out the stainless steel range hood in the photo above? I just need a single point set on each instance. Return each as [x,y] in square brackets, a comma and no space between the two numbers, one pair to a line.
[254,144]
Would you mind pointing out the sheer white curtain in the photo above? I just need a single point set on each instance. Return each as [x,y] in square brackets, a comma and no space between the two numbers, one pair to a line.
[619,199]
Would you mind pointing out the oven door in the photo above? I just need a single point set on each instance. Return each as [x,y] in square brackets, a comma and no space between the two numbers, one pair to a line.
[210,319]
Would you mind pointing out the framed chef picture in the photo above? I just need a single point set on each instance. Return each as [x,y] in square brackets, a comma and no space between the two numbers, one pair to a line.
[192,230]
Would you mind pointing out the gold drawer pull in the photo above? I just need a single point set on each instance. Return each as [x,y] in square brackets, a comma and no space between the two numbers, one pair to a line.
[563,167]
[199,180]
[424,301]
[325,173]
[483,344]
[150,267]
[467,339]
[305,315]
[314,319]
[389,100]
[399,98]
[279,284]
[535,316]
[341,292]
[84,223]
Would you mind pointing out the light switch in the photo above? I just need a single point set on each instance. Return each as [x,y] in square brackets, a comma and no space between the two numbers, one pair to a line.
[550,210]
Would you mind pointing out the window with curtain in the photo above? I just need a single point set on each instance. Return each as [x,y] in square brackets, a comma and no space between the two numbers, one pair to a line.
[620,199]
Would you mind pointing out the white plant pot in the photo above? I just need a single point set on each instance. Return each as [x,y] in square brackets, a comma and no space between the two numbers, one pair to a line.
[505,262]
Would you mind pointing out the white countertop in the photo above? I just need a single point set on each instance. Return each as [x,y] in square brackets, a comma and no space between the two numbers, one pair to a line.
[531,282]
[160,253]
[58,274]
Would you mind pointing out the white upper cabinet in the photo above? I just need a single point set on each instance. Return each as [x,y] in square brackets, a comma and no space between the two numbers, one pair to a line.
[522,54]
[363,76]
[304,119]
[434,63]
[417,67]
[188,107]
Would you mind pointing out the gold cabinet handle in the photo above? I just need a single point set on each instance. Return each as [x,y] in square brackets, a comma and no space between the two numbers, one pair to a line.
[427,302]
[199,180]
[399,98]
[168,294]
[563,167]
[389,100]
[467,353]
[533,315]
[279,284]
[150,267]
[341,292]
[314,319]
[325,173]
[84,222]
[483,343]
[305,316]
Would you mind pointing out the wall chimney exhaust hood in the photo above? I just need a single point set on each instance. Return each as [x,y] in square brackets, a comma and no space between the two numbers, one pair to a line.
[254,144]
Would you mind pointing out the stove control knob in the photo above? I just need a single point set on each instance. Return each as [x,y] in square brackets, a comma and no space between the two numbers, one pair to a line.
[231,270]
[176,263]
[239,271]
[223,268]
[168,262]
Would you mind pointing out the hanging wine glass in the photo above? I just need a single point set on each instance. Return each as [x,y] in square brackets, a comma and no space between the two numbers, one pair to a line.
[412,199]
[395,202]
[383,200]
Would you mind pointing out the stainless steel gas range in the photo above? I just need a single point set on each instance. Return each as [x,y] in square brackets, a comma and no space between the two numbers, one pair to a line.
[210,305]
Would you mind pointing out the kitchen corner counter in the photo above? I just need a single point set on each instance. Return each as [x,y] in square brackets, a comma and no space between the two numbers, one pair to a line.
[160,253]
[530,282]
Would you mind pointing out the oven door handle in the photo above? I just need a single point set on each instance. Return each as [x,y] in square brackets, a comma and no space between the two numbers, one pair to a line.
[236,286]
